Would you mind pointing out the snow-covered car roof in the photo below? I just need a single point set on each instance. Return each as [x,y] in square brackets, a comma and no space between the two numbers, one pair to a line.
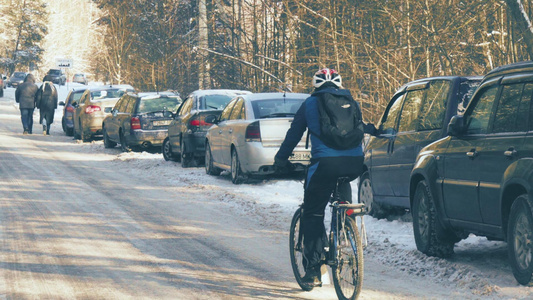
[220,92]
[266,96]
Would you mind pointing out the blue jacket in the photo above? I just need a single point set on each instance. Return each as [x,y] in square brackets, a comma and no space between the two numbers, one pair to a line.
[308,117]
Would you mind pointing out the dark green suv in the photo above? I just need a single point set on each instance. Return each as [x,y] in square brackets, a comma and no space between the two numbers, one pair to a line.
[479,179]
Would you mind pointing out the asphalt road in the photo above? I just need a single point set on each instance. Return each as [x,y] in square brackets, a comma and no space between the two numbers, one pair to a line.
[72,226]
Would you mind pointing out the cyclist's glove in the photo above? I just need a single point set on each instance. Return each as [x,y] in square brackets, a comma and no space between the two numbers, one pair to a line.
[282,166]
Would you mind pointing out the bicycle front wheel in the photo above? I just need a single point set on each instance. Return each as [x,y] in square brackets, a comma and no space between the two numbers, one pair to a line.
[296,248]
[348,270]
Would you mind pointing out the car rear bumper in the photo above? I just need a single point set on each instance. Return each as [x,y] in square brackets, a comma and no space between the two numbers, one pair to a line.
[147,138]
[258,160]
[195,143]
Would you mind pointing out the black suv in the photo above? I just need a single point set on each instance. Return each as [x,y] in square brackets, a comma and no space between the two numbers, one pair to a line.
[418,114]
[56,76]
[480,178]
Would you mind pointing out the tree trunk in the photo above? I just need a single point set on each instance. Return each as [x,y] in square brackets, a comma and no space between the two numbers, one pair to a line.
[523,24]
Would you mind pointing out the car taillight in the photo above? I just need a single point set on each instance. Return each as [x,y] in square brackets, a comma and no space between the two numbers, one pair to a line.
[70,109]
[253,132]
[92,108]
[135,123]
[199,123]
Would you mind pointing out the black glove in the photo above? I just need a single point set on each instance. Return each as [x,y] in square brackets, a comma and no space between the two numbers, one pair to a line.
[282,166]
[371,129]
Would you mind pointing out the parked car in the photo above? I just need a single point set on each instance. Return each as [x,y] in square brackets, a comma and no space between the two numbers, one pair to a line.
[186,133]
[94,105]
[479,179]
[416,116]
[3,80]
[80,78]
[139,121]
[2,84]
[56,76]
[67,121]
[248,133]
[16,79]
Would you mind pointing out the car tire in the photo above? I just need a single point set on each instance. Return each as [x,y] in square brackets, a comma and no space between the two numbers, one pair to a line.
[83,135]
[519,237]
[123,144]
[166,149]
[237,176]
[187,159]
[366,196]
[107,142]
[430,237]
[68,131]
[1,92]
[209,168]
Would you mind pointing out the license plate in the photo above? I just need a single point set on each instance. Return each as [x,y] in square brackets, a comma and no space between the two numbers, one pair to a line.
[161,123]
[300,156]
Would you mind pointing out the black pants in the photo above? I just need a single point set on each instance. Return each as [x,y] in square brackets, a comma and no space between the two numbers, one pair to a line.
[321,180]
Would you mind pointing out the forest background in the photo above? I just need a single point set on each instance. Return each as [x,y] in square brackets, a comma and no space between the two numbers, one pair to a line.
[266,45]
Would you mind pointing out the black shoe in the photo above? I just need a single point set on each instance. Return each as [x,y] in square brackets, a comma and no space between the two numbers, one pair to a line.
[312,278]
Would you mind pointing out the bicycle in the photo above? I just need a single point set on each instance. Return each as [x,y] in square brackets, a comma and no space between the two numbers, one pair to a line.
[345,252]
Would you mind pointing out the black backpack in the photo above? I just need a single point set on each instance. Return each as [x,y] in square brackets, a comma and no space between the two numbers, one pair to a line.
[341,123]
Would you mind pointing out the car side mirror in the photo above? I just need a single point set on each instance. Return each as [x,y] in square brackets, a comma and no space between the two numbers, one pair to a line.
[114,112]
[456,126]
[61,103]
[74,103]
[211,119]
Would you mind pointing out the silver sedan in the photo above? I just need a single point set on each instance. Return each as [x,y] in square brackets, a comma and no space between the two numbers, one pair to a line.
[248,133]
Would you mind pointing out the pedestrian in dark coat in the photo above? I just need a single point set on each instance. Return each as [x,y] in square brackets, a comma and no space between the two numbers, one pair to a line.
[25,96]
[46,102]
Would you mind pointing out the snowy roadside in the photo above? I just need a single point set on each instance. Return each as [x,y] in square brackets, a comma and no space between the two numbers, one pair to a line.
[479,270]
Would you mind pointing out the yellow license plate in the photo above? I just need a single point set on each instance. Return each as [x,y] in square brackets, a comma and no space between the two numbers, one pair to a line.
[300,156]
[161,123]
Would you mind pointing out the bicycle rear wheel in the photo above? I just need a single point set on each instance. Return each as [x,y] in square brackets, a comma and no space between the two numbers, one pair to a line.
[348,271]
[296,248]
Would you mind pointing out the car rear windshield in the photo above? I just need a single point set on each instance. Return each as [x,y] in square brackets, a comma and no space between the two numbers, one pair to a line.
[109,93]
[272,108]
[54,72]
[214,101]
[158,104]
[19,75]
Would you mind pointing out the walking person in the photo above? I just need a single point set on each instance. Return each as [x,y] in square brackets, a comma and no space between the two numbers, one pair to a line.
[25,97]
[46,102]
[334,121]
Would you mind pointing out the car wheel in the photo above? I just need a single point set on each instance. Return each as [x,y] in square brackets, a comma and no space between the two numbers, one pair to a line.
[83,135]
[519,240]
[366,196]
[1,92]
[166,149]
[123,144]
[430,237]
[186,158]
[209,168]
[236,172]
[107,142]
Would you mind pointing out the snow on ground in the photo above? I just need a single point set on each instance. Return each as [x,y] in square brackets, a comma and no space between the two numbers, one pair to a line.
[479,270]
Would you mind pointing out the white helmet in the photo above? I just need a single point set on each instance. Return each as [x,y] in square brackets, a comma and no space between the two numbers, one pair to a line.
[327,75]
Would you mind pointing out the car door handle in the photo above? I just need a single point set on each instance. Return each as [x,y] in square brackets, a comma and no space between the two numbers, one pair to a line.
[510,153]
[472,153]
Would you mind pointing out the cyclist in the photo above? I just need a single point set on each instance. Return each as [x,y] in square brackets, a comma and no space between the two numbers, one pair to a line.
[327,164]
